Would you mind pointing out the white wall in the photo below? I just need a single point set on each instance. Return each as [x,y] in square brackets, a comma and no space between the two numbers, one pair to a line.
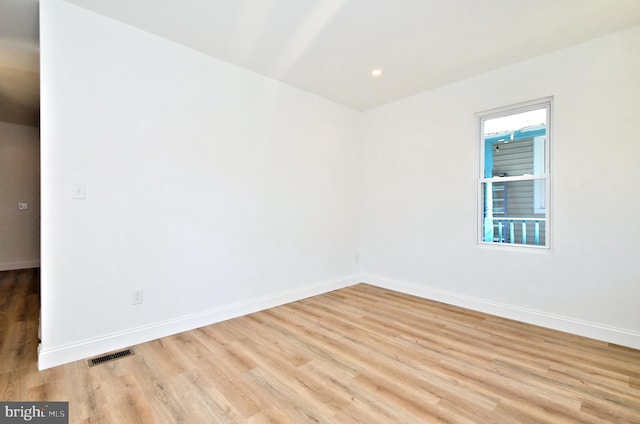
[419,222]
[215,190]
[19,183]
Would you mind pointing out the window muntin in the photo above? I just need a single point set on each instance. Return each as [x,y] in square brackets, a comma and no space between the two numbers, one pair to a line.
[514,175]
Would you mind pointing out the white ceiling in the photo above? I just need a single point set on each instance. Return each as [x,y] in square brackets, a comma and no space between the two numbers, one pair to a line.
[328,47]
[19,34]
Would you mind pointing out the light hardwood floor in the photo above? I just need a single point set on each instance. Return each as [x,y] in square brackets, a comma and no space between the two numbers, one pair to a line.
[360,354]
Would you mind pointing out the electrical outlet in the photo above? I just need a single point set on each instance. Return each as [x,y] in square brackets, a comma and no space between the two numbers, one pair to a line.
[22,205]
[136,297]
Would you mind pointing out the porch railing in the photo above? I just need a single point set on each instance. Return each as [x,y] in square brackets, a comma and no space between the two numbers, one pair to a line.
[505,228]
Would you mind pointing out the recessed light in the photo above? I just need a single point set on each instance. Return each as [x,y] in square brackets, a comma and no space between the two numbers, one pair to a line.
[376,72]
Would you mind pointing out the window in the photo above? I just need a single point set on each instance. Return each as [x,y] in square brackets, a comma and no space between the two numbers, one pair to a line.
[514,175]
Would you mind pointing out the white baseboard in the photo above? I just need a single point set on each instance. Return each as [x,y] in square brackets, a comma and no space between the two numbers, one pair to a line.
[12,266]
[55,356]
[579,327]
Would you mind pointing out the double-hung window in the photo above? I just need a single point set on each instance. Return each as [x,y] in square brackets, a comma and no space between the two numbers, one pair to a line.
[514,180]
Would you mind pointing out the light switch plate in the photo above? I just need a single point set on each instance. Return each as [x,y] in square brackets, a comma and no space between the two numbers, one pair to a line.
[79,191]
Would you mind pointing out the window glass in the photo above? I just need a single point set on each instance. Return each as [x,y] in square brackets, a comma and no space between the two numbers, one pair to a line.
[514,177]
[515,219]
[514,144]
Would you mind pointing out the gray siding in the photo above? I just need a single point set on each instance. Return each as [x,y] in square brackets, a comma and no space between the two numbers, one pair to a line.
[514,158]
[516,198]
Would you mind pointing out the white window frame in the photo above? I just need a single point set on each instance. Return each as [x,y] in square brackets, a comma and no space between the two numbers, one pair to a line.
[541,205]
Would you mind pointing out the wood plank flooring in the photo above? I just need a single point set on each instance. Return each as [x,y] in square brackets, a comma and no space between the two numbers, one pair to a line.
[356,355]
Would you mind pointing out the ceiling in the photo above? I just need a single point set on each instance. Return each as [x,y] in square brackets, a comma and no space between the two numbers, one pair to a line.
[19,62]
[329,47]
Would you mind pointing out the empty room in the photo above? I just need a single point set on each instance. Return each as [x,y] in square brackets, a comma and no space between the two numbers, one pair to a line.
[336,211]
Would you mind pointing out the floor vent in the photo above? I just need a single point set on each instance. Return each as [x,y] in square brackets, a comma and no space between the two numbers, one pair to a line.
[110,357]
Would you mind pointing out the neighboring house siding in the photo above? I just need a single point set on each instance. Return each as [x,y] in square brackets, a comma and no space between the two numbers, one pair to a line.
[516,158]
